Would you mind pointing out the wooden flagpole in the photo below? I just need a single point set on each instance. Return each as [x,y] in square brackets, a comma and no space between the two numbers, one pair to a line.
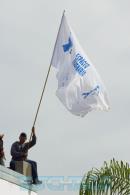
[44,86]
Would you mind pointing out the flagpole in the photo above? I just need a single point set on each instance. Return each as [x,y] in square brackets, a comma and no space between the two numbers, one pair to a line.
[44,86]
[57,35]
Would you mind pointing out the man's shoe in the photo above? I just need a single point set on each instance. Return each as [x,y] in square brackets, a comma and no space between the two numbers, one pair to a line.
[37,182]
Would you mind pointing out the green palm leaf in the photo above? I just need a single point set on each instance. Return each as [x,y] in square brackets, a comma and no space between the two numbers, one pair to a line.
[112,178]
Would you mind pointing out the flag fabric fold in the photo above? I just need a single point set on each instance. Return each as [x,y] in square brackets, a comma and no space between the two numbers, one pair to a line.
[80,87]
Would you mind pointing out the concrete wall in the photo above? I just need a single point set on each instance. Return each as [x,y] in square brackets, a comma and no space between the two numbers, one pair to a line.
[13,183]
[7,188]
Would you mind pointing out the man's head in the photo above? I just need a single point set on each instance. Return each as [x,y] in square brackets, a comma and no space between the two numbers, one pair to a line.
[22,137]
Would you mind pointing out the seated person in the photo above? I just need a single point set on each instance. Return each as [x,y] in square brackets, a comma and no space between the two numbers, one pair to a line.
[19,152]
[2,156]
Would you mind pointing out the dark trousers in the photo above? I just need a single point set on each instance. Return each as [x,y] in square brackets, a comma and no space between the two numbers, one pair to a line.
[12,165]
[33,165]
[34,169]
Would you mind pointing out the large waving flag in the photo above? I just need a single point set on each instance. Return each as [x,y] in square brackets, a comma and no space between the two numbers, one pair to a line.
[80,88]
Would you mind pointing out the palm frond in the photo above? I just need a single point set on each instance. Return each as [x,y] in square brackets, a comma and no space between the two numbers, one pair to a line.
[112,178]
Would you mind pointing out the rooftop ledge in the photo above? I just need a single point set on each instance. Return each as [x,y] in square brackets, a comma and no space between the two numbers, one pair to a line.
[16,178]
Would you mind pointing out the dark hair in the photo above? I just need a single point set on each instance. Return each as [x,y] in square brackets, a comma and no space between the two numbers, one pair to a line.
[23,135]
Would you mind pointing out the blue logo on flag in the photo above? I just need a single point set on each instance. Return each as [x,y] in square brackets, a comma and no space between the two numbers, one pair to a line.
[94,91]
[80,64]
[68,46]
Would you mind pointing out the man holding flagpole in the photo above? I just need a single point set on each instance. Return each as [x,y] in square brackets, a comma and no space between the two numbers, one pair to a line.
[19,152]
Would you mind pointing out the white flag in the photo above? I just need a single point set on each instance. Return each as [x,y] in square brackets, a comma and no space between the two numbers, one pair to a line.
[80,88]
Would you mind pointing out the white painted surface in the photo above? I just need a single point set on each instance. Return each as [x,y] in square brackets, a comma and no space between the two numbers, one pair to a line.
[13,183]
[7,188]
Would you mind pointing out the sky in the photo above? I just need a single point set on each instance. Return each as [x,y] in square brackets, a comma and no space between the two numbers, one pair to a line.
[67,145]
